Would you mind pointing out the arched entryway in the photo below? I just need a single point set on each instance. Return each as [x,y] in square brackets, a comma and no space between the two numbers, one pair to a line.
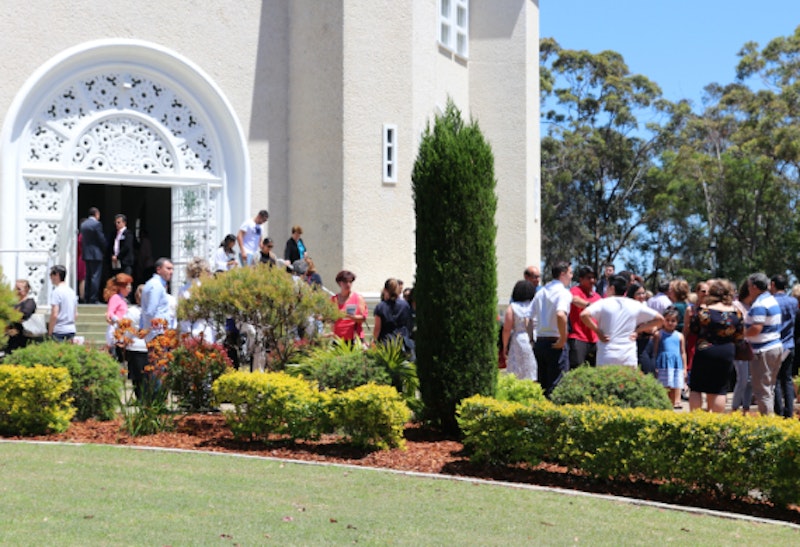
[125,114]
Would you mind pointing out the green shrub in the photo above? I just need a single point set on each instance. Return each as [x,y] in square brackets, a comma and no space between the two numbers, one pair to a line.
[192,369]
[512,389]
[266,403]
[717,454]
[341,366]
[7,312]
[615,385]
[266,298]
[455,205]
[34,400]
[371,416]
[394,360]
[96,378]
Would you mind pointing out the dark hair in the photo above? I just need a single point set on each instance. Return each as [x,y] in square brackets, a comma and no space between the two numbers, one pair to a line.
[93,211]
[671,311]
[228,239]
[663,286]
[267,241]
[523,291]
[583,271]
[345,275]
[626,275]
[780,282]
[123,217]
[160,262]
[619,283]
[263,214]
[744,290]
[59,270]
[633,288]
[392,288]
[558,269]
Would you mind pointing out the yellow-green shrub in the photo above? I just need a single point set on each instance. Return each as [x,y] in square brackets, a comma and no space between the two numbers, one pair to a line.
[371,416]
[724,454]
[267,403]
[33,400]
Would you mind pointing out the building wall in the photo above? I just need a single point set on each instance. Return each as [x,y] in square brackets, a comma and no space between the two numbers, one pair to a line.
[312,84]
[222,38]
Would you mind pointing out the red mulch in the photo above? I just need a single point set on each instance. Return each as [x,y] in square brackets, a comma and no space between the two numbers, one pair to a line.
[426,451]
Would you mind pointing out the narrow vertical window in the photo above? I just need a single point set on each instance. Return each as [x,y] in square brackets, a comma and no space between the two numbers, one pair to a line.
[454,26]
[389,153]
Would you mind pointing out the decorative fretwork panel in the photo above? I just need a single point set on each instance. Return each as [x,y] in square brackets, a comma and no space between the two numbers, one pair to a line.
[48,225]
[69,111]
[194,225]
[122,145]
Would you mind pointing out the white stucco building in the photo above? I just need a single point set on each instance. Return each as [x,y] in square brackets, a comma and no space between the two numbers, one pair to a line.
[191,116]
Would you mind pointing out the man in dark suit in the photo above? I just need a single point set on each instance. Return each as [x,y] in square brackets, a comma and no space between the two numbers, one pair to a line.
[122,254]
[94,246]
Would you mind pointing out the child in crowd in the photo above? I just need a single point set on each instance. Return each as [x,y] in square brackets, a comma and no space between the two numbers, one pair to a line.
[669,347]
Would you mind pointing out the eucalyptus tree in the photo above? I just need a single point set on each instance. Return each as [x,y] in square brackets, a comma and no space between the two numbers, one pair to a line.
[597,156]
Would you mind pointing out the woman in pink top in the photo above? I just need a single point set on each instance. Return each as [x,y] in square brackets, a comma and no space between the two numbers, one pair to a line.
[117,290]
[354,307]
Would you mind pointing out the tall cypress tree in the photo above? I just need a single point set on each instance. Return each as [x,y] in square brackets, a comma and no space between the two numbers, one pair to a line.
[456,282]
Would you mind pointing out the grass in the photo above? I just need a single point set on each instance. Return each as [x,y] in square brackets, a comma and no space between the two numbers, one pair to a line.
[100,495]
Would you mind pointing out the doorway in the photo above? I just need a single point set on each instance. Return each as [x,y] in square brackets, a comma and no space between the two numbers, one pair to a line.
[149,212]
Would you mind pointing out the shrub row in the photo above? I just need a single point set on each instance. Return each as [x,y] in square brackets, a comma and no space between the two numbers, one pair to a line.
[34,400]
[722,454]
[95,379]
[275,403]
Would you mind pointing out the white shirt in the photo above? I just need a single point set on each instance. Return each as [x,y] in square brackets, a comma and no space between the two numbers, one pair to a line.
[617,317]
[251,237]
[553,297]
[659,302]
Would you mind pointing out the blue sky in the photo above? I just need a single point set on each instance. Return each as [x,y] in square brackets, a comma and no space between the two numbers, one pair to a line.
[681,45]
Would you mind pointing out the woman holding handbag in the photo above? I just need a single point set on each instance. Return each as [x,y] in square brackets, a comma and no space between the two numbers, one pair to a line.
[26,305]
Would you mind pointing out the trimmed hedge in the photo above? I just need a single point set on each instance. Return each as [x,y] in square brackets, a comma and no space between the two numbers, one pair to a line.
[267,403]
[34,400]
[725,454]
[371,416]
[96,376]
[275,403]
[614,385]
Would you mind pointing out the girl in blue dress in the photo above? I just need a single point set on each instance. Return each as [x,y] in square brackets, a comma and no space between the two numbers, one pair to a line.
[669,347]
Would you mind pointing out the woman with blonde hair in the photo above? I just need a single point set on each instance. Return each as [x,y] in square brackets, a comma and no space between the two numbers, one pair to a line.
[196,270]
[116,293]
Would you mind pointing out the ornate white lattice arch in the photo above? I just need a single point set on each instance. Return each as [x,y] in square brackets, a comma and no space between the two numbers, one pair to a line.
[123,112]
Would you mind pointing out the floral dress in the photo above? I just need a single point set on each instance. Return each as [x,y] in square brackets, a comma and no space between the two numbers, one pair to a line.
[717,333]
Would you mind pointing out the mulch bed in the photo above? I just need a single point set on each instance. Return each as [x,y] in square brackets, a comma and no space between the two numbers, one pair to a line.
[426,451]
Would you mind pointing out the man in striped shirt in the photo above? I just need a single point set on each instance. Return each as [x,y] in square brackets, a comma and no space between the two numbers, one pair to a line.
[763,331]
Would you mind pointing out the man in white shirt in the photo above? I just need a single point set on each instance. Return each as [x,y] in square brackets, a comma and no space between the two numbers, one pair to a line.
[661,301]
[249,238]
[550,311]
[617,320]
[63,307]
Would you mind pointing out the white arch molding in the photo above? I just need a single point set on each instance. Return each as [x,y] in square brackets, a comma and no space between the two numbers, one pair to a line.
[117,112]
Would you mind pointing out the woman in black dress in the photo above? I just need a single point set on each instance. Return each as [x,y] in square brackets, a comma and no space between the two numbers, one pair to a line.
[718,326]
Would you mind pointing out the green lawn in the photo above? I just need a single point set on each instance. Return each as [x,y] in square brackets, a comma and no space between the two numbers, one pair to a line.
[99,495]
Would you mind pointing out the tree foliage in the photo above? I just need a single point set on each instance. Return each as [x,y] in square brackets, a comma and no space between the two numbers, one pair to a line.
[456,282]
[7,312]
[697,192]
[270,300]
[596,156]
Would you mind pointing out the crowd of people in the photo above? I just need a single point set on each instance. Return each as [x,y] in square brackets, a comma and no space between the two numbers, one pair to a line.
[696,343]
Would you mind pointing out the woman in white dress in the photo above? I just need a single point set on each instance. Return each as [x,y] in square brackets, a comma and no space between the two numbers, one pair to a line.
[520,360]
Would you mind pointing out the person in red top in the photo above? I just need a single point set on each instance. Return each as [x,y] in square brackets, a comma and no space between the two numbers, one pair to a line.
[349,327]
[582,340]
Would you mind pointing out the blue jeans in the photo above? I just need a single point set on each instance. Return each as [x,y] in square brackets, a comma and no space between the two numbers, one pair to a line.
[63,337]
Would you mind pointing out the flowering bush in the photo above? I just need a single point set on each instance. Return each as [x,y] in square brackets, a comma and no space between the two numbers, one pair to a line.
[192,369]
